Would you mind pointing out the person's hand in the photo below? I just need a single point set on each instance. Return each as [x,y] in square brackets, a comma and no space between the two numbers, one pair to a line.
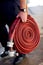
[23,16]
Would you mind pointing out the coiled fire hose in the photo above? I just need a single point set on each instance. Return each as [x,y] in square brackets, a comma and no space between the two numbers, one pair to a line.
[25,35]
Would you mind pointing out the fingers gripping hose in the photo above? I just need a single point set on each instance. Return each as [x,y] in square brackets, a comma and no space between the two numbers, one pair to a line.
[26,35]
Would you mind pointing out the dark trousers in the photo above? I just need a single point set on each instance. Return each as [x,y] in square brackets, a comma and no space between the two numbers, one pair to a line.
[8,13]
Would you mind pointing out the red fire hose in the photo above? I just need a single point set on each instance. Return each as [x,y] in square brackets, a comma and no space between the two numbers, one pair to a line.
[26,35]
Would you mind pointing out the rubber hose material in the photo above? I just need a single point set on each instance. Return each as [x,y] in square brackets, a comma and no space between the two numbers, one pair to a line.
[26,35]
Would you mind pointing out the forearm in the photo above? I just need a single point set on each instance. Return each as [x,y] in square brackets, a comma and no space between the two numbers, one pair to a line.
[23,4]
[23,11]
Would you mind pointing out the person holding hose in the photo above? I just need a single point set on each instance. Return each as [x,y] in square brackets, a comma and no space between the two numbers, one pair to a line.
[9,11]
